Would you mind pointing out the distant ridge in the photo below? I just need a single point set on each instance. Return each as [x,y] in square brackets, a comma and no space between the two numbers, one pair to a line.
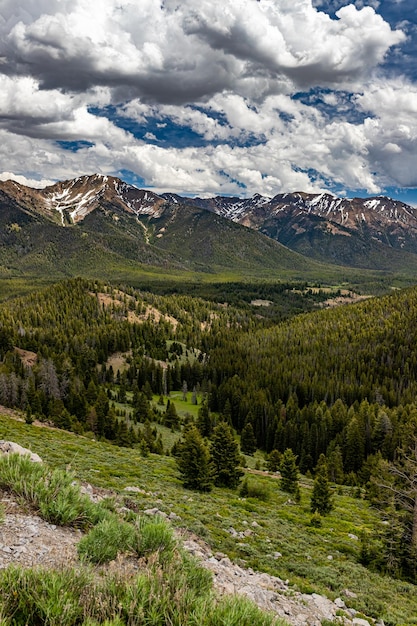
[99,226]
[360,232]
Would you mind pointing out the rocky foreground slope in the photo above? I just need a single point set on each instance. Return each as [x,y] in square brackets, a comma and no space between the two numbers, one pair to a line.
[29,541]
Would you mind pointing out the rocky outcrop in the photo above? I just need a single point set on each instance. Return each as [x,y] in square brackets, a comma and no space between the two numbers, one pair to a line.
[273,594]
[28,540]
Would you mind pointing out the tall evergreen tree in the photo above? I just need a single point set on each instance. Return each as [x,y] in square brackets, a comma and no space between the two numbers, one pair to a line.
[204,420]
[171,418]
[321,498]
[225,455]
[142,408]
[335,463]
[289,474]
[102,408]
[247,439]
[355,447]
[194,461]
[273,461]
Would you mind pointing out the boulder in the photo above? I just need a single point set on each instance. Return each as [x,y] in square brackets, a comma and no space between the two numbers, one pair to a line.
[9,447]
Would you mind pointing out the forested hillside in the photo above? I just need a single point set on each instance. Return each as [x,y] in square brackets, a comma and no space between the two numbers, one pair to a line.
[343,377]
[340,382]
[55,345]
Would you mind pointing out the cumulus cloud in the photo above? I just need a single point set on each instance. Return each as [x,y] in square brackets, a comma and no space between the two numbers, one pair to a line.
[177,53]
[392,130]
[230,72]
[28,182]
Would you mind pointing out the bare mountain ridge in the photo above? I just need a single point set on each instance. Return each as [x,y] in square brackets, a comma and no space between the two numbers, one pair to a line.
[101,224]
[390,221]
[321,226]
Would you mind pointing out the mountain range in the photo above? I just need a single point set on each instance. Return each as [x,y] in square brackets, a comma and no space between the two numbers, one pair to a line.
[92,218]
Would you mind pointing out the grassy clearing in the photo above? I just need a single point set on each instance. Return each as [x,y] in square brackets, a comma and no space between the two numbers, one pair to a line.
[182,406]
[281,527]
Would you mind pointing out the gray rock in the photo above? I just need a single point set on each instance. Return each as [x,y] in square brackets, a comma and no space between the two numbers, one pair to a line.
[155,511]
[9,447]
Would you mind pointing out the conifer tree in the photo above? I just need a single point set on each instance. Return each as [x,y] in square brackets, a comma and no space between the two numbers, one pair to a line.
[102,407]
[289,474]
[147,390]
[142,408]
[194,461]
[171,419]
[204,420]
[248,439]
[273,461]
[321,500]
[335,464]
[225,455]
[123,436]
[354,448]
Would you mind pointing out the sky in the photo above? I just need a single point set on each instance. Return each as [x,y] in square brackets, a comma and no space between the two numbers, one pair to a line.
[216,97]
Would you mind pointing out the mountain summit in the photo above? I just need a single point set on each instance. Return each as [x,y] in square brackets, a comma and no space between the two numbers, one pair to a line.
[360,232]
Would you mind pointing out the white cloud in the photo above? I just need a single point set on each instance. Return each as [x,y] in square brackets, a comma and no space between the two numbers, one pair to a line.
[28,182]
[226,70]
[174,52]
[392,131]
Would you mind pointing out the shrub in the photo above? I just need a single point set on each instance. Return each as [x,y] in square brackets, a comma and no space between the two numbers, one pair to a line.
[178,594]
[238,611]
[52,492]
[42,597]
[154,535]
[316,520]
[257,490]
[106,540]
[196,577]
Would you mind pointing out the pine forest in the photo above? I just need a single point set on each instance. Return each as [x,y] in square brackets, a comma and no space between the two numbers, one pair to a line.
[327,395]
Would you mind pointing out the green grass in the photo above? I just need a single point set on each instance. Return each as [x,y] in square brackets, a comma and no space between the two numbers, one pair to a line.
[106,540]
[51,492]
[177,595]
[170,589]
[280,526]
[182,406]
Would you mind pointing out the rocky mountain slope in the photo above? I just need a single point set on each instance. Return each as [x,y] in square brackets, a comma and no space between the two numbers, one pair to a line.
[100,224]
[323,226]
[375,232]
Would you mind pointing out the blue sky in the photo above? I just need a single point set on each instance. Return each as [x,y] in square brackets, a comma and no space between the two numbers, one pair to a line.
[212,98]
